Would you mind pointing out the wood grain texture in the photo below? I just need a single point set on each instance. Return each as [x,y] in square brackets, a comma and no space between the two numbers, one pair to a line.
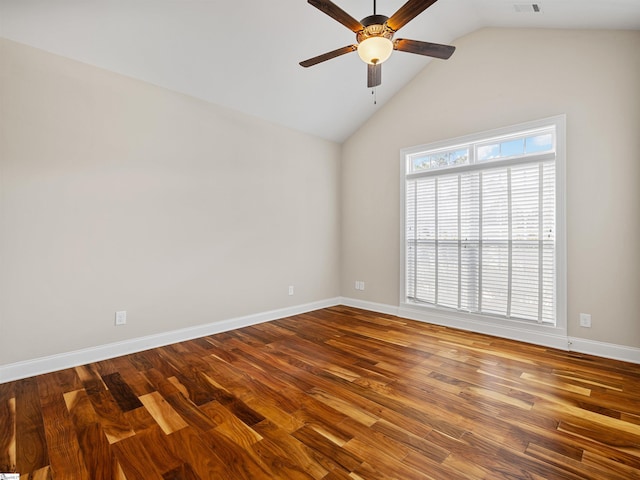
[121,392]
[30,443]
[67,461]
[7,429]
[163,413]
[335,394]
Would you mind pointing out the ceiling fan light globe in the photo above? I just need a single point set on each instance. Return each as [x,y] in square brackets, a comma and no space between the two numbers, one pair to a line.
[375,50]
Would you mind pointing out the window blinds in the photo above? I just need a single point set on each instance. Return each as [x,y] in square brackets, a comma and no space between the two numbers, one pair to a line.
[483,241]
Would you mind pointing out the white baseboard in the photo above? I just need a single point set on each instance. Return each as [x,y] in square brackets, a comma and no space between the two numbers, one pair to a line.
[371,306]
[551,338]
[606,350]
[38,366]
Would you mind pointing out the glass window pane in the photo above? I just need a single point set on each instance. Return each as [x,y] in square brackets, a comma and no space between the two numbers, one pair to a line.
[420,163]
[487,152]
[460,157]
[440,160]
[512,148]
[539,143]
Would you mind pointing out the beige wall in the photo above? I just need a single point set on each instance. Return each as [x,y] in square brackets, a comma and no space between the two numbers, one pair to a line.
[117,195]
[500,77]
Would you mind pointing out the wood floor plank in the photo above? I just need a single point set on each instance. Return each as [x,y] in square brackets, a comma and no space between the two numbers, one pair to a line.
[190,412]
[112,420]
[266,382]
[91,438]
[138,420]
[90,378]
[183,472]
[281,463]
[352,411]
[231,426]
[52,386]
[606,465]
[67,461]
[7,434]
[162,412]
[287,452]
[418,444]
[30,445]
[325,445]
[386,462]
[576,466]
[239,463]
[189,445]
[135,460]
[43,473]
[7,427]
[121,392]
[334,394]
[158,446]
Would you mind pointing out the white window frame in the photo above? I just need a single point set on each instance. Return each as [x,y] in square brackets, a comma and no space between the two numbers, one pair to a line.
[545,334]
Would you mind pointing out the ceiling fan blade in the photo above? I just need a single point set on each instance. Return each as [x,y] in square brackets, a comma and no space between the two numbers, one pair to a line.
[407,12]
[328,56]
[337,14]
[374,75]
[424,48]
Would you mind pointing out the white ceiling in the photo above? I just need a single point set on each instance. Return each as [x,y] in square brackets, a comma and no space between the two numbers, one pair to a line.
[244,54]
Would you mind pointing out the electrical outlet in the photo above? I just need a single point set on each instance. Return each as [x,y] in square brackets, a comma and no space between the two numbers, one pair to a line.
[585,320]
[121,317]
[361,285]
[290,289]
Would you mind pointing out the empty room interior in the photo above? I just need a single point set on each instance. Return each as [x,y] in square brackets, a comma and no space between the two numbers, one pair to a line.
[227,254]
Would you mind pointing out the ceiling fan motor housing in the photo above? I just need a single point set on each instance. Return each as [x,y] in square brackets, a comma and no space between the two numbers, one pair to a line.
[374,26]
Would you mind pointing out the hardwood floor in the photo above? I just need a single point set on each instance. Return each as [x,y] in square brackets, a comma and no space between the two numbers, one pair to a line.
[335,394]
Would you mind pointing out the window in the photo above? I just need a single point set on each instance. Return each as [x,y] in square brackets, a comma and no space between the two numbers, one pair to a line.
[483,226]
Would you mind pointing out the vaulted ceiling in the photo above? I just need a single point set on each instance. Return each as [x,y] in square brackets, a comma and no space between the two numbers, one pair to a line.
[244,54]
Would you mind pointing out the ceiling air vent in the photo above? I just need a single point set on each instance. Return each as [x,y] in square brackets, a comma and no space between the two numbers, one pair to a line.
[527,8]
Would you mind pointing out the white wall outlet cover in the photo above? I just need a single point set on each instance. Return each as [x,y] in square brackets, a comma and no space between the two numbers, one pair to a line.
[290,289]
[121,317]
[585,320]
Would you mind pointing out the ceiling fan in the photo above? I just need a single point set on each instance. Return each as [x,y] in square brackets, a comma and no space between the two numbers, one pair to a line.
[374,35]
